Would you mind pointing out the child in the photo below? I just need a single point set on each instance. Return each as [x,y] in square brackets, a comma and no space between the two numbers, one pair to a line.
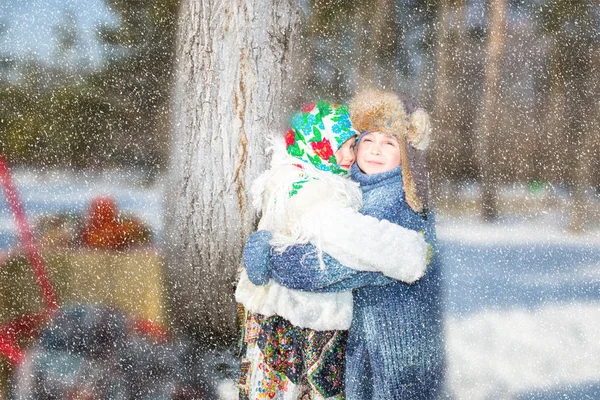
[294,341]
[395,345]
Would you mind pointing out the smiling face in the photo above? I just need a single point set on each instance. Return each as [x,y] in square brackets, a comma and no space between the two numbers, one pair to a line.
[378,153]
[345,154]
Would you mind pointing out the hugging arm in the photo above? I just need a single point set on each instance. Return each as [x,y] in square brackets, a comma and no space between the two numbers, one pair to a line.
[365,243]
[299,267]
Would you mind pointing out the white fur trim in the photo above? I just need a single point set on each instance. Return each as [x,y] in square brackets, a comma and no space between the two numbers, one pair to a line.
[318,311]
[419,133]
[251,296]
[367,244]
[281,214]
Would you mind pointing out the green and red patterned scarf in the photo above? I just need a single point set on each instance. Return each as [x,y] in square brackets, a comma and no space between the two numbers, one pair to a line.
[317,132]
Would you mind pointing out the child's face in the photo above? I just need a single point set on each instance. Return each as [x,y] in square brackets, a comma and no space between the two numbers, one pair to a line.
[378,153]
[345,154]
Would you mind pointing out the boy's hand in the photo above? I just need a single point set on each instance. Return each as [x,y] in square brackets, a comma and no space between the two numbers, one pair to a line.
[429,253]
[256,257]
[430,250]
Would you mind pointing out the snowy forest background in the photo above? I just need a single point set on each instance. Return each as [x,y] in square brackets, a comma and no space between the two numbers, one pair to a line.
[104,102]
[87,108]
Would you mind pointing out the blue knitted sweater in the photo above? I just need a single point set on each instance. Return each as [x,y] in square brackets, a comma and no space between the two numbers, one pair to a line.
[395,346]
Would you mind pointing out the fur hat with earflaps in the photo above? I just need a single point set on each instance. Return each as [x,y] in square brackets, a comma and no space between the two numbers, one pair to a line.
[396,115]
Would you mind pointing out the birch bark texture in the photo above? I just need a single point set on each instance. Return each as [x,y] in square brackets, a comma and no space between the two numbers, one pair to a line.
[233,76]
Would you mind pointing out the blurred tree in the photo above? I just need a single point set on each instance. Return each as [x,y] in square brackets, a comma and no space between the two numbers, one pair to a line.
[234,74]
[136,79]
[17,137]
[49,118]
[454,95]
[571,94]
[64,113]
[66,33]
[442,61]
[6,61]
[328,51]
[378,40]
[22,113]
[69,64]
[489,114]
[357,43]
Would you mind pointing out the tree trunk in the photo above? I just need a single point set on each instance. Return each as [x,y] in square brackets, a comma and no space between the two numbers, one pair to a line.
[376,44]
[573,55]
[441,110]
[442,61]
[450,108]
[489,116]
[232,81]
[580,132]
[551,137]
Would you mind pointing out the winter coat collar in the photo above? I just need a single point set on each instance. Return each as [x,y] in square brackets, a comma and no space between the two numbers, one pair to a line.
[370,182]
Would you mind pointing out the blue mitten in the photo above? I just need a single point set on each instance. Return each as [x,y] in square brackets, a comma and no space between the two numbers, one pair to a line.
[256,257]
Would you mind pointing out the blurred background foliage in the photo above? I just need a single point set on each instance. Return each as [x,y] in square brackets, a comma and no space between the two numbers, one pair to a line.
[68,114]
[528,114]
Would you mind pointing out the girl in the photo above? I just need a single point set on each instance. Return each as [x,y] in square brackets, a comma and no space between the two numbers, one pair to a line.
[293,342]
[395,346]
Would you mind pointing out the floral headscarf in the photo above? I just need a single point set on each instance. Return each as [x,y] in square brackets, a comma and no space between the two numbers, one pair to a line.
[317,132]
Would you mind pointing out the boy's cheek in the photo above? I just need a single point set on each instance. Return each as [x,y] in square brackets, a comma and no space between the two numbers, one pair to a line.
[360,163]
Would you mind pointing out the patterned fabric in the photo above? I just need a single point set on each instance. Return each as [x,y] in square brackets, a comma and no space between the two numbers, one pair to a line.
[282,361]
[317,132]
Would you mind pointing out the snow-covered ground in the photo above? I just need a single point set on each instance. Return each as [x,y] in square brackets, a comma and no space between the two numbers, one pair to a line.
[523,308]
[523,353]
[522,295]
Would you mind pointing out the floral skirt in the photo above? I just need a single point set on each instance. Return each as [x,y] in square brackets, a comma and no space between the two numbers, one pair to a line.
[281,361]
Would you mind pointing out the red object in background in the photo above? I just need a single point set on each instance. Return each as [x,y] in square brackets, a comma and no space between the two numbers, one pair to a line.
[27,325]
[103,215]
[106,229]
[151,330]
[103,230]
[36,261]
[12,332]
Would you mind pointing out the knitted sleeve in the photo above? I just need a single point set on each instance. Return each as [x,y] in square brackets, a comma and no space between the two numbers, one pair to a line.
[365,243]
[299,267]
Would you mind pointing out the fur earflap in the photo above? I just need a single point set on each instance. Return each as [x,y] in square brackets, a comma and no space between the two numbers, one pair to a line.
[376,111]
[419,129]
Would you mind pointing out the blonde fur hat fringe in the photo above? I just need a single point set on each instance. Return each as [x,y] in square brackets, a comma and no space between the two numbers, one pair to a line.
[374,110]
